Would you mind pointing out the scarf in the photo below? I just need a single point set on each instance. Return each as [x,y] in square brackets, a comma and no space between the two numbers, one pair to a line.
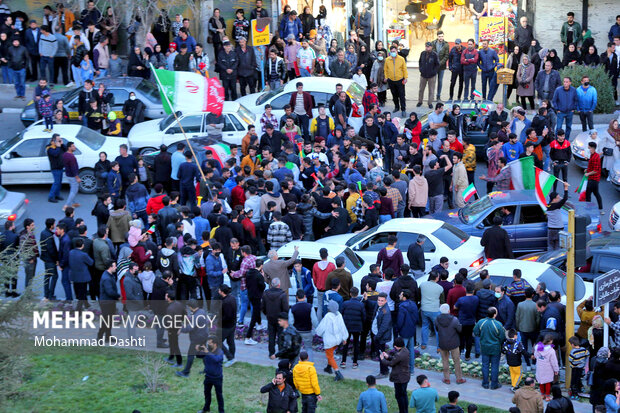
[524,71]
[614,133]
[218,24]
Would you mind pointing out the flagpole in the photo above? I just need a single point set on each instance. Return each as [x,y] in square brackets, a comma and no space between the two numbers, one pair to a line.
[174,113]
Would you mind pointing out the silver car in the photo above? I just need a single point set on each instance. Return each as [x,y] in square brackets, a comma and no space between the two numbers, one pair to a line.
[12,207]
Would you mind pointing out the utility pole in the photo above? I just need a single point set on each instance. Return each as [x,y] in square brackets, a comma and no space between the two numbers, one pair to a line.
[570,288]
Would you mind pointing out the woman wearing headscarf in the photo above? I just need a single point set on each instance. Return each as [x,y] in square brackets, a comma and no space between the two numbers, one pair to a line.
[133,110]
[534,56]
[332,53]
[542,58]
[612,396]
[595,335]
[413,129]
[378,48]
[586,42]
[158,59]
[596,381]
[586,313]
[572,56]
[307,21]
[559,403]
[284,15]
[591,58]
[609,141]
[455,121]
[364,61]
[525,79]
[513,63]
[554,59]
[377,75]
[137,64]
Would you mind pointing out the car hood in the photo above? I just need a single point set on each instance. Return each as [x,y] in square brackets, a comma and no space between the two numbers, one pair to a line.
[249,101]
[337,239]
[144,128]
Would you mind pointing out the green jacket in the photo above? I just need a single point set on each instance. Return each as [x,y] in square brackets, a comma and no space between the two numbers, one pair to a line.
[101,253]
[443,55]
[577,31]
[492,335]
[527,317]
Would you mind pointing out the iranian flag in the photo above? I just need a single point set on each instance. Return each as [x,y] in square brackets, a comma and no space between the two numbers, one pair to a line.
[581,190]
[476,94]
[182,91]
[221,152]
[469,192]
[525,175]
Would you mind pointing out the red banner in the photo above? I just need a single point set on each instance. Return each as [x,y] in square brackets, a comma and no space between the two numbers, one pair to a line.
[215,99]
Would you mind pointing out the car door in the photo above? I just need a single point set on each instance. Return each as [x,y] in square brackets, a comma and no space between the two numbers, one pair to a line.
[486,221]
[278,103]
[192,125]
[120,97]
[22,163]
[405,239]
[230,133]
[369,248]
[531,229]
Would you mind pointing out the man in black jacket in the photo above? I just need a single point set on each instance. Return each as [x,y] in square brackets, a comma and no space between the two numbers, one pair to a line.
[162,168]
[255,285]
[159,305]
[415,255]
[524,34]
[107,299]
[228,63]
[54,152]
[354,314]
[340,220]
[49,256]
[405,282]
[167,215]
[247,66]
[496,242]
[18,59]
[289,341]
[294,221]
[282,397]
[86,96]
[272,139]
[275,301]
[429,67]
[228,319]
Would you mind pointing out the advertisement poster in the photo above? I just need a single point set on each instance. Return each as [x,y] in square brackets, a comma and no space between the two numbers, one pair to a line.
[395,34]
[493,29]
[507,9]
[260,31]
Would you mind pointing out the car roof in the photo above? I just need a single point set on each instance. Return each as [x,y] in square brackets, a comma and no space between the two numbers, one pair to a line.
[318,84]
[309,249]
[405,224]
[502,197]
[506,266]
[65,131]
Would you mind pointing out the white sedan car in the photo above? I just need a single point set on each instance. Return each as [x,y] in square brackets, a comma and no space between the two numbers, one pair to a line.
[500,273]
[24,158]
[442,240]
[146,137]
[309,254]
[321,89]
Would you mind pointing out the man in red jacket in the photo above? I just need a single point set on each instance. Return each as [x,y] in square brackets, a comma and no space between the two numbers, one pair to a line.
[237,194]
[301,104]
[320,271]
[594,176]
[155,203]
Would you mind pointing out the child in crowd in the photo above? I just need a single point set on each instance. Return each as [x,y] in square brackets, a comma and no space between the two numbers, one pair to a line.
[514,350]
[46,110]
[546,365]
[147,277]
[577,360]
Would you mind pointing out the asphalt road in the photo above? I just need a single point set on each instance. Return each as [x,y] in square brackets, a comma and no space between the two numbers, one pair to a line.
[40,209]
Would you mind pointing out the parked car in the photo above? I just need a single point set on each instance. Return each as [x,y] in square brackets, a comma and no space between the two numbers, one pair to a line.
[309,254]
[145,90]
[24,159]
[500,273]
[614,217]
[602,255]
[321,89]
[147,136]
[581,153]
[13,206]
[199,145]
[442,240]
[528,233]
[614,175]
[473,128]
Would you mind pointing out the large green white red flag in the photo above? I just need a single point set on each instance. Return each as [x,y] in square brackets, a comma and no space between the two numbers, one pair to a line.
[581,190]
[524,175]
[182,91]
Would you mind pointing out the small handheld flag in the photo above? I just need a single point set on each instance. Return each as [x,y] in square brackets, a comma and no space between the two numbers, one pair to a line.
[317,179]
[359,187]
[581,190]
[301,151]
[469,192]
[477,94]
[151,230]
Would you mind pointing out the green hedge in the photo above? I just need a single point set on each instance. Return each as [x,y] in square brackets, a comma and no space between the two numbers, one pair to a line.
[599,79]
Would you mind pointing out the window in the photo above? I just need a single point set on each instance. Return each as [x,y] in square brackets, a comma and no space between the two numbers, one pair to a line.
[29,149]
[488,221]
[228,125]
[500,280]
[120,96]
[471,212]
[321,97]
[376,242]
[532,214]
[191,124]
[405,239]
[94,140]
[148,89]
[279,102]
[235,121]
[608,263]
[9,143]
[451,236]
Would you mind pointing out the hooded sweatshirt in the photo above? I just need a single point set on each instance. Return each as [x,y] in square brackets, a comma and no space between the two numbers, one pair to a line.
[118,225]
[320,271]
[391,258]
[332,327]
[167,259]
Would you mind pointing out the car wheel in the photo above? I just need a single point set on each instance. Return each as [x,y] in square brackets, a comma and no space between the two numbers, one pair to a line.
[88,184]
[146,151]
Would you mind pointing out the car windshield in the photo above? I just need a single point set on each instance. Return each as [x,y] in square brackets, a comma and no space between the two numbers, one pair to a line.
[358,237]
[70,95]
[471,212]
[451,236]
[92,139]
[356,92]
[268,95]
[149,90]
[247,116]
[9,143]
[168,120]
[352,261]
[555,280]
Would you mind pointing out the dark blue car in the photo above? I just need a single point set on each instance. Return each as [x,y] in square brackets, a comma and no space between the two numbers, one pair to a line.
[524,219]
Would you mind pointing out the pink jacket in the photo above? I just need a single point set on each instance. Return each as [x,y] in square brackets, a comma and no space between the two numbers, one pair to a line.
[546,364]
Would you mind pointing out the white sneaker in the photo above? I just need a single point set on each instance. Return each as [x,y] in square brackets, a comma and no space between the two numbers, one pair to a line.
[230,363]
[250,342]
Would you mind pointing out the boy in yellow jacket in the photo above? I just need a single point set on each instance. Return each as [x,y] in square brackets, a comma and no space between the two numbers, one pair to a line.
[307,383]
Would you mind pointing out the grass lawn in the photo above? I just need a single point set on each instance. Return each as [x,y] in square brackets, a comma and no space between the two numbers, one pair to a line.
[55,384]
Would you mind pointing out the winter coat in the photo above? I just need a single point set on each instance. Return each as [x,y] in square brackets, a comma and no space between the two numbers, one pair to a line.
[405,282]
[49,252]
[309,212]
[546,364]
[560,405]
[213,269]
[198,331]
[280,401]
[289,343]
[108,288]
[526,87]
[454,60]
[514,352]
[332,329]
[168,259]
[527,317]
[353,314]
[554,83]
[418,191]
[506,312]
[227,61]
[392,258]
[492,334]
[79,261]
[305,378]
[469,60]
[137,198]
[429,64]
[448,329]
[279,269]
[528,400]
[133,291]
[486,299]
[346,282]
[384,325]
[496,243]
[443,54]
[399,363]
[274,302]
[407,319]
[255,285]
[586,99]
[118,225]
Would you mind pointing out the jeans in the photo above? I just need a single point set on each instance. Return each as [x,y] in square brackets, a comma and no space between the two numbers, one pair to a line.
[431,89]
[569,122]
[486,77]
[476,30]
[66,284]
[557,168]
[47,68]
[439,83]
[469,78]
[384,218]
[493,363]
[230,88]
[188,194]
[528,338]
[30,268]
[587,120]
[319,311]
[400,394]
[243,307]
[81,294]
[428,317]
[400,212]
[228,337]
[73,190]
[553,239]
[308,403]
[592,188]
[304,122]
[56,185]
[6,75]
[398,94]
[108,309]
[546,159]
[435,204]
[456,75]
[19,80]
[75,71]
[102,73]
[306,338]
[274,84]
[219,395]
[410,344]
[303,72]
[50,279]
[493,87]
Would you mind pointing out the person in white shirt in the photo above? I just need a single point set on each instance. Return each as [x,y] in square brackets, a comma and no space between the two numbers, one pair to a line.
[305,59]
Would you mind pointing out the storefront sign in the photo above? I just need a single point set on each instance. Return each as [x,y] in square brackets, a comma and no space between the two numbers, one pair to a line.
[395,34]
[260,31]
[493,29]
[606,288]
